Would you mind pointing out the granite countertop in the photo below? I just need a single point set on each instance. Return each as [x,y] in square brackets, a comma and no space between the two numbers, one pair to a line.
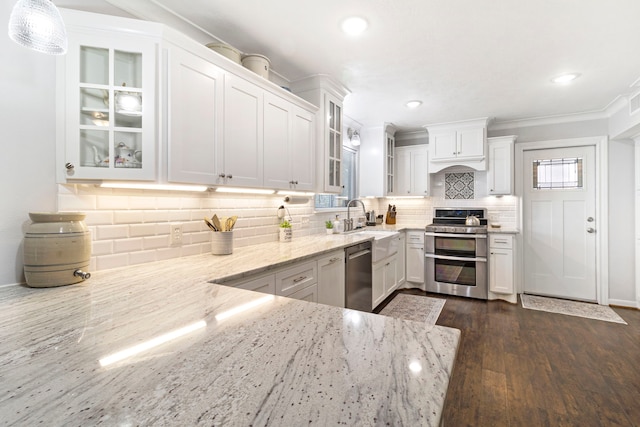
[277,362]
[503,230]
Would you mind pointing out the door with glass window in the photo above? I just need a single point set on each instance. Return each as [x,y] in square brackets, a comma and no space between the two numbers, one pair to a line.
[559,222]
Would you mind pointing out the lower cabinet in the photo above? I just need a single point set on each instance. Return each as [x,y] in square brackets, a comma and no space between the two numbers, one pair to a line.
[401,268]
[501,259]
[331,285]
[415,258]
[384,279]
[318,280]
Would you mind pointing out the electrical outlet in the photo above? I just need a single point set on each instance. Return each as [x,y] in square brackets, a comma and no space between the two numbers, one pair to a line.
[304,221]
[175,235]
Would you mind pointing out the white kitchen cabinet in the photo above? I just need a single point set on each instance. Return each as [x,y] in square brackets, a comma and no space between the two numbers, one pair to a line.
[401,270]
[106,99]
[377,166]
[458,144]
[331,285]
[300,276]
[500,169]
[242,152]
[265,284]
[412,174]
[195,118]
[384,277]
[309,294]
[288,145]
[328,96]
[501,267]
[415,259]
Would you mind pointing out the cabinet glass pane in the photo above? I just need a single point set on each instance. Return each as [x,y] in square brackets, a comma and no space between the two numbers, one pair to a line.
[337,169]
[332,115]
[127,150]
[338,146]
[128,109]
[338,126]
[94,148]
[94,65]
[127,69]
[94,107]
[332,174]
[332,149]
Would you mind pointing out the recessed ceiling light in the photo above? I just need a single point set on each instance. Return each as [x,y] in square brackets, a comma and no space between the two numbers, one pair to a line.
[565,78]
[354,25]
[413,104]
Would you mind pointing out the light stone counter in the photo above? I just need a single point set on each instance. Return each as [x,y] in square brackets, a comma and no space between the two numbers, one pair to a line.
[503,230]
[279,362]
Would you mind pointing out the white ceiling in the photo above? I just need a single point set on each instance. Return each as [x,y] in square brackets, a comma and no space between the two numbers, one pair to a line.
[464,59]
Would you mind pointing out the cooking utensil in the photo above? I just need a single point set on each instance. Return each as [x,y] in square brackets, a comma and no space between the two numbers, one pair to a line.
[216,222]
[209,224]
[231,222]
[472,220]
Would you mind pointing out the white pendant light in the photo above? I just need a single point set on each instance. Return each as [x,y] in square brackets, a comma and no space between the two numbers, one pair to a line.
[37,24]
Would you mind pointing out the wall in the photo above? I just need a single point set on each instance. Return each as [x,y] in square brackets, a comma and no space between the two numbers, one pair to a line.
[27,135]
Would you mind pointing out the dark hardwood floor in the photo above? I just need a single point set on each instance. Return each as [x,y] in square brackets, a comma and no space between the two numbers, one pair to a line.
[519,367]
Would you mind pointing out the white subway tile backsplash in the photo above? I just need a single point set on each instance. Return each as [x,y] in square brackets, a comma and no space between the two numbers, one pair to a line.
[142,257]
[155,242]
[99,217]
[72,202]
[127,217]
[113,202]
[138,230]
[106,262]
[127,245]
[102,247]
[104,232]
[155,216]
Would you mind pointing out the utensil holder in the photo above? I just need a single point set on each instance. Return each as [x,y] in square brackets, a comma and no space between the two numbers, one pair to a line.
[286,234]
[222,242]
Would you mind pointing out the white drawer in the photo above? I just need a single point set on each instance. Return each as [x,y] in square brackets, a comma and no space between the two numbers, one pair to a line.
[415,237]
[295,278]
[504,241]
[265,284]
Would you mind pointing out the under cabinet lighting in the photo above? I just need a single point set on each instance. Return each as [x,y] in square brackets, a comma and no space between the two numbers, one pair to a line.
[295,193]
[244,190]
[159,187]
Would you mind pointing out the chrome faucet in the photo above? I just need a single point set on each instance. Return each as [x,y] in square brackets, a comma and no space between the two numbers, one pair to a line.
[364,210]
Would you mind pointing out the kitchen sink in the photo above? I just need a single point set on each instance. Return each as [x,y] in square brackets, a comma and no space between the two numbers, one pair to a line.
[385,243]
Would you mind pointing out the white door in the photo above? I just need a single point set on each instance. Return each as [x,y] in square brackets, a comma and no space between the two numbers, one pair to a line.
[559,222]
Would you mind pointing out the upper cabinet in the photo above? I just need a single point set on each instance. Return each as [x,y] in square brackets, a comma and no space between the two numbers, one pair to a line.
[328,96]
[500,170]
[377,168]
[458,144]
[196,118]
[412,176]
[106,95]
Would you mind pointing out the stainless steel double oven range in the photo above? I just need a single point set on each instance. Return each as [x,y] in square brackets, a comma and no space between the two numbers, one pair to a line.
[456,253]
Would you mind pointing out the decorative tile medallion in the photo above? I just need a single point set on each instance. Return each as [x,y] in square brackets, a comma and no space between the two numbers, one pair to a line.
[459,185]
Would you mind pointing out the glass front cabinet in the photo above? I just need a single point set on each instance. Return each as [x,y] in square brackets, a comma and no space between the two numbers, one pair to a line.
[108,89]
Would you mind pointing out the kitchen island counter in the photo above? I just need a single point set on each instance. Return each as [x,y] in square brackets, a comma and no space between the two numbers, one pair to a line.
[158,344]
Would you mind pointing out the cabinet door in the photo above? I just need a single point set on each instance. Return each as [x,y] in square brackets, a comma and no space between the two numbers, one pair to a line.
[243,138]
[420,171]
[309,294]
[500,173]
[109,91]
[403,171]
[390,166]
[302,150]
[195,118]
[277,142]
[401,270]
[390,275]
[444,145]
[470,142]
[333,145]
[377,279]
[331,289]
[265,284]
[501,271]
[415,263]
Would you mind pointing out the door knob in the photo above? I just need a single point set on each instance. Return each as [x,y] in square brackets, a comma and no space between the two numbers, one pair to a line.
[591,230]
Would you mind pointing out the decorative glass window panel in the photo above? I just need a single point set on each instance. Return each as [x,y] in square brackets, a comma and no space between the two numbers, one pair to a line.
[551,174]
[349,175]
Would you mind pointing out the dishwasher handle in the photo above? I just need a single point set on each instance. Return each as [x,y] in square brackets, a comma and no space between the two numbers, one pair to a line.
[359,253]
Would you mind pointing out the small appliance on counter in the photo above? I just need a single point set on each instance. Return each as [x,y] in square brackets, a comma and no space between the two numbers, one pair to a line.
[57,249]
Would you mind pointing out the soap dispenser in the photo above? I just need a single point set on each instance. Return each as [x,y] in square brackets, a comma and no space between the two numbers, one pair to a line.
[338,226]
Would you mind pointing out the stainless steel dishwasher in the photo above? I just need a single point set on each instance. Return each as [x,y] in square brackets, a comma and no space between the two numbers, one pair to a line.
[358,283]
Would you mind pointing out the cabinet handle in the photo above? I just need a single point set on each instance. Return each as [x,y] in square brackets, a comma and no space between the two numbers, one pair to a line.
[222,175]
[334,259]
[500,241]
[299,279]
[229,176]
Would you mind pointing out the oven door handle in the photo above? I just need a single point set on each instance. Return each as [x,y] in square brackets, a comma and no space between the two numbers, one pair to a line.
[455,258]
[466,236]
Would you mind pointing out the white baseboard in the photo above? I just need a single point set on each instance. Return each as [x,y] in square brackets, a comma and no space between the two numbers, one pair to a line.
[624,303]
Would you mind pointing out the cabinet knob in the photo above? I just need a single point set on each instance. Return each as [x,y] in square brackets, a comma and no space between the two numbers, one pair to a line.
[69,166]
[222,175]
[229,176]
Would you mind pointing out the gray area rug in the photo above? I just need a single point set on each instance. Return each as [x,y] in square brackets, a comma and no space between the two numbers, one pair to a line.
[571,308]
[414,307]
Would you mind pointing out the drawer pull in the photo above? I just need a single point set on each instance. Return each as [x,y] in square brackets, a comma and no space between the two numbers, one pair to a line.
[501,241]
[334,259]
[299,279]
